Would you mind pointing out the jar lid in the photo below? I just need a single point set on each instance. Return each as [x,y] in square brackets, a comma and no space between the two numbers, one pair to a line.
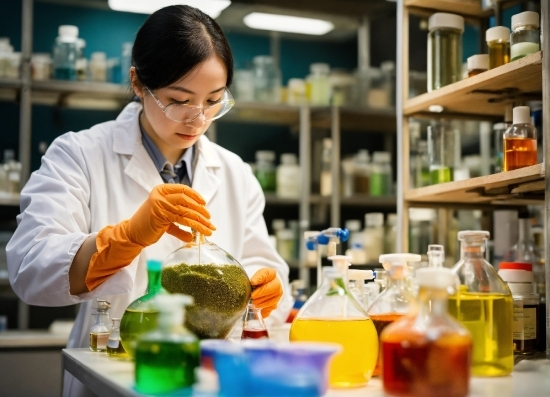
[516,276]
[381,157]
[68,31]
[522,115]
[391,220]
[478,61]
[319,68]
[296,83]
[445,20]
[466,234]
[497,33]
[289,159]
[435,277]
[525,18]
[353,225]
[285,234]
[265,155]
[374,219]
[516,266]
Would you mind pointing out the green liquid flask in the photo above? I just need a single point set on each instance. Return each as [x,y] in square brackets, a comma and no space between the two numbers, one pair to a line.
[141,315]
[166,357]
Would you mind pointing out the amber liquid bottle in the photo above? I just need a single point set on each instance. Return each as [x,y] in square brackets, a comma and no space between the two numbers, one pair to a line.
[498,42]
[520,141]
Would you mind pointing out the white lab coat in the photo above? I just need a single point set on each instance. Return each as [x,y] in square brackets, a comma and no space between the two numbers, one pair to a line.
[99,177]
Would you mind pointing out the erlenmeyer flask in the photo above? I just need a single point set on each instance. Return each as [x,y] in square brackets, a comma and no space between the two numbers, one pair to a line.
[217,282]
[253,324]
[332,314]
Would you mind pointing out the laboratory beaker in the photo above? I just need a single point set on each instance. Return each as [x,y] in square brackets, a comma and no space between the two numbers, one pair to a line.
[442,150]
[253,324]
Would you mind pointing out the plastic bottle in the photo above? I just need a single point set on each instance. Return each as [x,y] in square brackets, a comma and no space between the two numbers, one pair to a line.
[357,286]
[519,277]
[253,324]
[65,53]
[390,233]
[427,353]
[114,345]
[326,168]
[381,181]
[444,49]
[319,84]
[41,66]
[99,333]
[296,92]
[332,314]
[166,357]
[361,178]
[484,305]
[477,64]
[374,236]
[520,141]
[288,176]
[394,302]
[265,170]
[98,67]
[355,249]
[498,41]
[525,36]
[267,80]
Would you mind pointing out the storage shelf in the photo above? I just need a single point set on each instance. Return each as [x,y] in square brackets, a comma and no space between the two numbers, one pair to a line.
[464,7]
[10,83]
[9,200]
[524,186]
[485,94]
[387,202]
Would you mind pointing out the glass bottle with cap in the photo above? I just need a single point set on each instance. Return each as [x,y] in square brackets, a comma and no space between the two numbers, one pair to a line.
[65,53]
[288,176]
[114,345]
[358,287]
[390,237]
[265,170]
[167,356]
[427,353]
[394,302]
[498,41]
[332,314]
[436,255]
[477,64]
[444,49]
[267,79]
[484,305]
[99,333]
[525,36]
[374,236]
[442,142]
[519,277]
[381,180]
[319,84]
[520,141]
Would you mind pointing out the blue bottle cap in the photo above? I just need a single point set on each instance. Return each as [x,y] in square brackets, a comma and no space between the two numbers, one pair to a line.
[154,265]
[322,239]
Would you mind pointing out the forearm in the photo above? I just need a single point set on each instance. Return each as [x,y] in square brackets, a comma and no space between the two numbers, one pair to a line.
[79,267]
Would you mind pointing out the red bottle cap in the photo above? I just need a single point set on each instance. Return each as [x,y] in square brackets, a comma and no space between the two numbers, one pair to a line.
[516,266]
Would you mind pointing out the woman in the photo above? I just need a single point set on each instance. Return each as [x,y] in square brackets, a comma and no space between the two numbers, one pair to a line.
[106,199]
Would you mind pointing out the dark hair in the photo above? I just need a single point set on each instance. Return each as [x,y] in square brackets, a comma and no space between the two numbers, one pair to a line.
[173,41]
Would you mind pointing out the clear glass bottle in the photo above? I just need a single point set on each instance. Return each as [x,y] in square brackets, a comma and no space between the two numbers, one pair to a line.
[520,141]
[114,345]
[217,282]
[357,286]
[394,302]
[98,66]
[444,50]
[267,80]
[266,172]
[81,61]
[436,255]
[166,357]
[332,314]
[422,165]
[326,168]
[361,174]
[319,84]
[427,353]
[381,180]
[525,36]
[442,138]
[253,324]
[484,305]
[498,42]
[373,235]
[65,53]
[477,64]
[141,315]
[99,333]
[390,235]
[499,129]
[126,62]
[288,176]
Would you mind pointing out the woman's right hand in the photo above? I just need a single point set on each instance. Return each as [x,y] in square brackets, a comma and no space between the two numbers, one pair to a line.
[168,204]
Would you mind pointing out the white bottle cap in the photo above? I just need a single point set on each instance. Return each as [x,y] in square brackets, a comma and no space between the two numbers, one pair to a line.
[289,159]
[353,225]
[355,274]
[525,18]
[381,157]
[435,277]
[297,84]
[327,143]
[68,31]
[265,155]
[516,276]
[445,20]
[374,219]
[497,33]
[396,264]
[391,220]
[323,68]
[479,61]
[278,224]
[522,115]
[98,56]
[341,262]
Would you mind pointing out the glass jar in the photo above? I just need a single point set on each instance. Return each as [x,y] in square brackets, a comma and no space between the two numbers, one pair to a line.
[361,172]
[98,66]
[99,333]
[498,130]
[267,80]
[65,53]
[520,141]
[442,145]
[498,42]
[217,282]
[41,66]
[288,177]
[444,50]
[332,314]
[265,170]
[296,92]
[319,84]
[525,36]
[484,305]
[477,64]
[381,181]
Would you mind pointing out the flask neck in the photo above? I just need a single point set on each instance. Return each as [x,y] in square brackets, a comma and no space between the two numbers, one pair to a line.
[102,318]
[198,237]
[154,283]
[432,301]
[468,250]
[524,229]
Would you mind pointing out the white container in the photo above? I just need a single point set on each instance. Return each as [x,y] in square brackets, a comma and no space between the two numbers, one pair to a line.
[13,65]
[374,236]
[319,84]
[98,67]
[65,53]
[286,244]
[326,168]
[6,50]
[288,176]
[296,92]
[243,83]
[41,66]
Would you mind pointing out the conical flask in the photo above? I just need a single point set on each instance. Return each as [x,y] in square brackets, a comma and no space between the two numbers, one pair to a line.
[484,305]
[217,282]
[253,324]
[141,315]
[394,302]
[332,314]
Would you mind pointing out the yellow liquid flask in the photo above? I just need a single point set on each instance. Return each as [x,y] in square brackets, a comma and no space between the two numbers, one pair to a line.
[484,305]
[333,315]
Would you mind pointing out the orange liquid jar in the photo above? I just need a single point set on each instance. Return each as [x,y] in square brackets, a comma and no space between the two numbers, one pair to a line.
[520,141]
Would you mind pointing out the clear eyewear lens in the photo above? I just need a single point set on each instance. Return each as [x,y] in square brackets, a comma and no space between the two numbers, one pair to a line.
[188,113]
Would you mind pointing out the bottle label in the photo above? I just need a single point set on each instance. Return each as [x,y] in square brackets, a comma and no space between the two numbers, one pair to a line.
[525,323]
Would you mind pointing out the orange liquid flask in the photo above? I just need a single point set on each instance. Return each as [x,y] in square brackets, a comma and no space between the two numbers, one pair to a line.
[520,141]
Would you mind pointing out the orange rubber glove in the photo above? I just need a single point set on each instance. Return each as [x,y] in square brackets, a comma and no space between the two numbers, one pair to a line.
[118,245]
[267,290]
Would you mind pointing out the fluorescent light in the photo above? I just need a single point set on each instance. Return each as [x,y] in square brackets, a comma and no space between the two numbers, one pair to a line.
[286,23]
[209,7]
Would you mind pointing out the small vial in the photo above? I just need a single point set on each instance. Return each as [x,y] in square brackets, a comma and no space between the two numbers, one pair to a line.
[525,37]
[478,64]
[114,345]
[520,141]
[99,333]
[498,41]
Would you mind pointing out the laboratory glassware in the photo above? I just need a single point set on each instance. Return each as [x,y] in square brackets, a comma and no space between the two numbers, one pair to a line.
[442,142]
[114,345]
[358,287]
[265,171]
[525,36]
[520,141]
[498,41]
[267,79]
[253,324]
[477,64]
[99,333]
[65,53]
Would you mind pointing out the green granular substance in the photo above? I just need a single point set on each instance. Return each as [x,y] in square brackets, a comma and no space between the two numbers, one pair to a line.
[221,293]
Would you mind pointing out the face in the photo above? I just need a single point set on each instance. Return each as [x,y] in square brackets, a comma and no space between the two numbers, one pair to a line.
[201,87]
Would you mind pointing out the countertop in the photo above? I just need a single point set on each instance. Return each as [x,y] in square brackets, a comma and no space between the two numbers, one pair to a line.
[107,376]
[26,339]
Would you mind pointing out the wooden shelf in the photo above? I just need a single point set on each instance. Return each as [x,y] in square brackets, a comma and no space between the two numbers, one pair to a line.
[463,7]
[524,186]
[9,200]
[359,200]
[485,94]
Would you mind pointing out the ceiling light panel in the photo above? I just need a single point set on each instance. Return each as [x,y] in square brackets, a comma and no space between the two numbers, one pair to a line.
[286,23]
[209,7]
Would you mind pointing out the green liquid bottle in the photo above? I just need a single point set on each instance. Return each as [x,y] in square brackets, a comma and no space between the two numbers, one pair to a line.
[440,174]
[141,315]
[166,357]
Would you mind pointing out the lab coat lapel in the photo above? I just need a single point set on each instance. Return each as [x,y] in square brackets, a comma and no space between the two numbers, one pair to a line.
[207,161]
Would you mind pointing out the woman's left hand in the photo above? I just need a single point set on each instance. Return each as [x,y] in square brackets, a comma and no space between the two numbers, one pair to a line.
[267,290]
